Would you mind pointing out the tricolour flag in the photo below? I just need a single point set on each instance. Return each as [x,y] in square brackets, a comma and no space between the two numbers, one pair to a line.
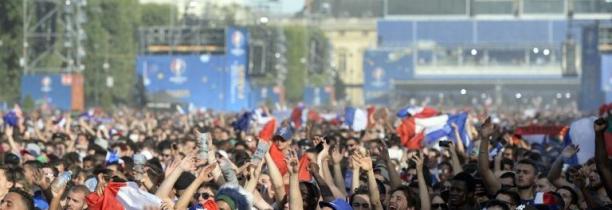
[356,119]
[417,111]
[413,130]
[122,196]
[581,133]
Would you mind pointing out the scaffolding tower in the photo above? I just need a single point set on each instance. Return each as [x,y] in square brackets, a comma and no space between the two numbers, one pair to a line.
[53,36]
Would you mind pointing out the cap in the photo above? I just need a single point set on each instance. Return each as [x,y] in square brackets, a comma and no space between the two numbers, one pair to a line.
[338,204]
[286,132]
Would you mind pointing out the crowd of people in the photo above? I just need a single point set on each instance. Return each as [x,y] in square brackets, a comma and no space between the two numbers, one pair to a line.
[130,159]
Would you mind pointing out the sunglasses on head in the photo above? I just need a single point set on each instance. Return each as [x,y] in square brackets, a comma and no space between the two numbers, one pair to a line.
[203,195]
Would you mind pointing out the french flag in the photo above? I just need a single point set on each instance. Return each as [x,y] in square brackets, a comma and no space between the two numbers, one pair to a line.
[356,119]
[417,111]
[410,134]
[122,196]
[581,133]
[546,199]
[266,123]
[299,116]
[414,130]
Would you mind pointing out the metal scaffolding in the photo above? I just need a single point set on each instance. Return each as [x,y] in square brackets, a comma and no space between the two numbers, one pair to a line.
[53,36]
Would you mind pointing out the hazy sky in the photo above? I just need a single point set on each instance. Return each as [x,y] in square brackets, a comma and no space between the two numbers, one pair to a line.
[285,6]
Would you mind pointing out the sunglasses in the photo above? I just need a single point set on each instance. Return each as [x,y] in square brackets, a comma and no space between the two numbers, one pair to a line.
[203,195]
[439,206]
[362,205]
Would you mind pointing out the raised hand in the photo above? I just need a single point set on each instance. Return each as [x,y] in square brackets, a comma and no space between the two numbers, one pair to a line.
[313,168]
[325,152]
[173,165]
[363,161]
[8,131]
[188,163]
[293,163]
[206,174]
[600,125]
[569,151]
[487,129]
[419,161]
[337,154]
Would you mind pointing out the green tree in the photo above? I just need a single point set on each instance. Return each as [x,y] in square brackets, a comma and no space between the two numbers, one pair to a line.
[112,39]
[296,68]
[157,14]
[10,49]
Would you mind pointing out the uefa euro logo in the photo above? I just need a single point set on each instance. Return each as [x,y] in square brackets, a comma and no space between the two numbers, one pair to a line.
[46,84]
[378,75]
[178,67]
[237,42]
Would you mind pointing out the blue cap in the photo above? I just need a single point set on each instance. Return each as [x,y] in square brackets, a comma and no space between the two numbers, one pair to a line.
[338,204]
[286,132]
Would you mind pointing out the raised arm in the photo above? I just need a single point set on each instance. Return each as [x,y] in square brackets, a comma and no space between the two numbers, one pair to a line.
[492,183]
[601,157]
[276,178]
[186,164]
[365,162]
[455,159]
[323,160]
[326,192]
[395,180]
[204,175]
[337,160]
[57,197]
[8,131]
[423,191]
[460,147]
[555,170]
[295,197]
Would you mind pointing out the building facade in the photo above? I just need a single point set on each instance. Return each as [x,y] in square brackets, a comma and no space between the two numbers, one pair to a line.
[350,38]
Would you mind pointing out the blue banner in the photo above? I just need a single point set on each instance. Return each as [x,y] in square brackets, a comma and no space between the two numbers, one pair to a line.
[264,95]
[236,44]
[54,89]
[381,68]
[606,72]
[216,82]
[318,96]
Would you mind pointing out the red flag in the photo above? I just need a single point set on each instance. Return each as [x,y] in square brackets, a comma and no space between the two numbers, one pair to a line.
[122,196]
[279,159]
[268,130]
[296,117]
[314,116]
[371,110]
[303,174]
[409,138]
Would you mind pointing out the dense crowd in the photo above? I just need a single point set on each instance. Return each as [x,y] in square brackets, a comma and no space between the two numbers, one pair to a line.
[129,159]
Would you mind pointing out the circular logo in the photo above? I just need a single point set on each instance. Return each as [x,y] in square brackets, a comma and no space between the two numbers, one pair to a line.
[378,73]
[46,84]
[237,39]
[178,66]
[46,81]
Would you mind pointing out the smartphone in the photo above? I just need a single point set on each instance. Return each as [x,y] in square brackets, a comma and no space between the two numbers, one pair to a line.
[262,149]
[444,143]
[203,145]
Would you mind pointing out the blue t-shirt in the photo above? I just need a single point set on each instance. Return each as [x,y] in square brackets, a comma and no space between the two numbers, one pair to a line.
[39,201]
